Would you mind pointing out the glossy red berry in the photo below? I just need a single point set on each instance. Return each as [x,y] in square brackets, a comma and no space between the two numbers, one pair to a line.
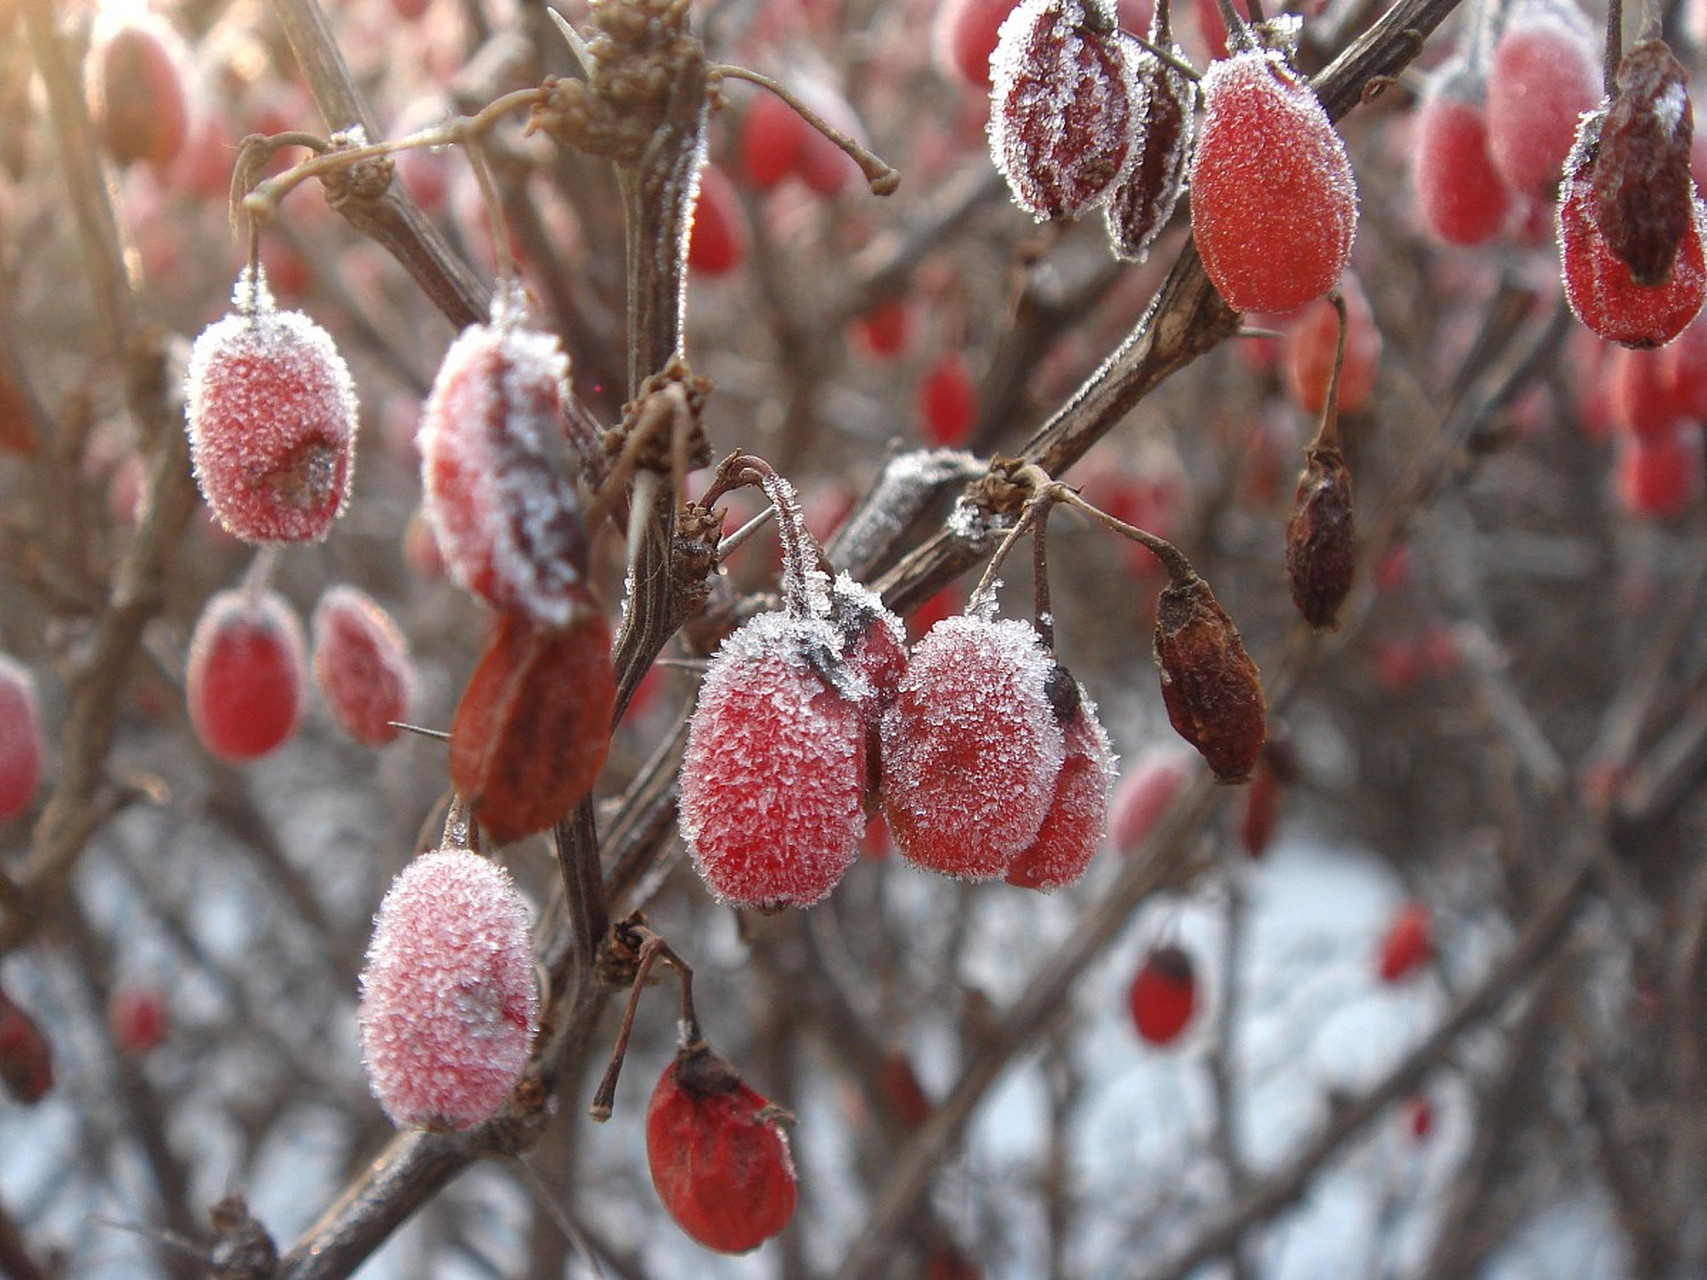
[1273,199]
[135,87]
[137,1019]
[1073,828]
[972,747]
[948,402]
[1461,197]
[717,244]
[1064,101]
[21,747]
[26,1058]
[718,1154]
[1144,793]
[1407,945]
[271,414]
[1163,996]
[361,663]
[494,470]
[1545,73]
[448,1006]
[246,672]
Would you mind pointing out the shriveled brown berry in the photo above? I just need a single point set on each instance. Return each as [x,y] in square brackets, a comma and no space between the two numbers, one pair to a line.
[1319,538]
[1644,198]
[1144,198]
[1210,685]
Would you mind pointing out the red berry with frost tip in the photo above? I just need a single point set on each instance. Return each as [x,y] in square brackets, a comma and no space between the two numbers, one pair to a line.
[494,469]
[1461,197]
[964,36]
[718,1154]
[1407,945]
[1659,477]
[361,663]
[1273,198]
[1598,284]
[774,777]
[1144,793]
[1545,73]
[448,1005]
[948,402]
[21,747]
[1073,828]
[244,682]
[1063,101]
[134,80]
[972,747]
[717,242]
[1163,995]
[26,1058]
[137,1019]
[271,414]
[1311,340]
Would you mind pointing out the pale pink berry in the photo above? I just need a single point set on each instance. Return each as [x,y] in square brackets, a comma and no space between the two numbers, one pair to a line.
[494,469]
[361,663]
[1461,197]
[1073,828]
[448,1004]
[1144,793]
[271,414]
[20,738]
[1545,74]
[245,677]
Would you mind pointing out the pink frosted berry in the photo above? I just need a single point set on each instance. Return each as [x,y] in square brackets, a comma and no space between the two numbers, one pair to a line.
[271,414]
[1460,195]
[1144,793]
[361,663]
[20,738]
[1544,75]
[1065,106]
[1073,827]
[245,677]
[448,1005]
[774,777]
[972,747]
[493,467]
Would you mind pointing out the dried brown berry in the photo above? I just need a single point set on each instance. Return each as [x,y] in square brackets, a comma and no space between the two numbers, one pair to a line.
[1144,198]
[1212,689]
[1319,537]
[1644,199]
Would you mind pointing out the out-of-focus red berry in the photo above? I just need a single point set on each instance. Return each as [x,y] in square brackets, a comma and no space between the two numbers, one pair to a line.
[136,91]
[21,746]
[245,678]
[1407,945]
[883,331]
[1143,794]
[1660,477]
[1640,392]
[137,1019]
[1163,996]
[717,244]
[1310,342]
[948,402]
[964,36]
[26,1058]
[1545,74]
[772,138]
[1460,195]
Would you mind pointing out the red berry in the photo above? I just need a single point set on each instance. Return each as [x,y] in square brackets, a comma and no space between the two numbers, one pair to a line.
[1273,199]
[883,331]
[972,747]
[965,33]
[718,1154]
[245,678]
[136,1018]
[1419,1116]
[1686,370]
[1062,102]
[497,491]
[1262,810]
[1598,285]
[21,747]
[1640,395]
[1163,996]
[1213,28]
[361,663]
[774,777]
[1545,74]
[271,414]
[136,91]
[1659,478]
[1143,795]
[26,1059]
[948,402]
[717,244]
[822,165]
[1408,943]
[1311,339]
[448,1005]
[1073,827]
[772,138]
[1460,195]
[900,1086]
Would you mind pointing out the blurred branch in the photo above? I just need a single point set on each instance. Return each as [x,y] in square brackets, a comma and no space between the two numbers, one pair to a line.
[15,1260]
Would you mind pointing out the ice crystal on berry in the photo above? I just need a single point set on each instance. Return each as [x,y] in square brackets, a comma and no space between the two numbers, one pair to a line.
[361,663]
[497,489]
[245,677]
[271,415]
[1066,111]
[448,1005]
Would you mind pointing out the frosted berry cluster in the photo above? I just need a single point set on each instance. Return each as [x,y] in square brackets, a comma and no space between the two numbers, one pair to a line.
[448,1006]
[271,415]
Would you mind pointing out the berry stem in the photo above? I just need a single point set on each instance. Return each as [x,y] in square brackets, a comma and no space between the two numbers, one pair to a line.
[1614,45]
[1180,572]
[880,176]
[460,831]
[801,555]
[260,571]
[500,226]
[1165,56]
[1036,509]
[1043,616]
[1328,432]
[652,949]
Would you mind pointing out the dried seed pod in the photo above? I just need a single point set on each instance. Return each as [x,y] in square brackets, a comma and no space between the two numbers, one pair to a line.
[531,732]
[1320,559]
[1210,685]
[1066,111]
[1644,198]
[1144,198]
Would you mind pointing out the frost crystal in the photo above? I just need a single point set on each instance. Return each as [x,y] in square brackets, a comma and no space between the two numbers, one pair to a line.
[1144,198]
[1073,828]
[448,1005]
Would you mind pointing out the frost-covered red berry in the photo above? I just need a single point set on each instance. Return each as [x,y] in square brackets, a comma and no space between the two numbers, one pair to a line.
[361,663]
[246,673]
[972,747]
[21,746]
[1144,197]
[1273,198]
[271,414]
[494,469]
[1065,106]
[718,1154]
[1461,197]
[1163,995]
[134,81]
[1407,945]
[448,1005]
[1545,73]
[1073,828]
